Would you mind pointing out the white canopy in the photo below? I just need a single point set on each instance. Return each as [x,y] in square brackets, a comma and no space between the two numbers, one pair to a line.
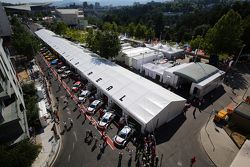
[148,103]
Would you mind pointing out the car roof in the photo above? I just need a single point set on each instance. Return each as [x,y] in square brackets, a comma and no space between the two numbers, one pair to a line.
[107,115]
[126,129]
[96,102]
[78,82]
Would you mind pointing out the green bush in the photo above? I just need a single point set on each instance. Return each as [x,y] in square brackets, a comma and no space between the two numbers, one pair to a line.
[22,154]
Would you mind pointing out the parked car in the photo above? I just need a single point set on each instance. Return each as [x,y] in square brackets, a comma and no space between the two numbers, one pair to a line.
[76,86]
[62,69]
[94,106]
[123,136]
[54,62]
[59,65]
[105,120]
[66,74]
[75,76]
[83,96]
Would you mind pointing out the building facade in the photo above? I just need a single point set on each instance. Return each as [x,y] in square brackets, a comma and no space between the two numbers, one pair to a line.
[13,121]
[72,17]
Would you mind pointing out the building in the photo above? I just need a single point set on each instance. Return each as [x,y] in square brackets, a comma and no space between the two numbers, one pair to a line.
[147,104]
[29,8]
[13,121]
[72,17]
[241,116]
[242,158]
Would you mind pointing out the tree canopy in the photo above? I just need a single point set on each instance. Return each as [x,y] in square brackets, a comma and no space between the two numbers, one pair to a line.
[226,34]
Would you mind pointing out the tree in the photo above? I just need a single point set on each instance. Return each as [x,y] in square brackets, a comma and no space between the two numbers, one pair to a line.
[23,42]
[110,26]
[131,29]
[226,34]
[197,42]
[60,28]
[30,100]
[22,154]
[214,60]
[109,44]
[246,33]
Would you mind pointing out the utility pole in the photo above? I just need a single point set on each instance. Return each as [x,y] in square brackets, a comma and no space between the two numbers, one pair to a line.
[239,54]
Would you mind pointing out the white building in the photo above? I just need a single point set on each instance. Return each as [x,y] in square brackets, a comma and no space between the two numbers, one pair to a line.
[72,17]
[149,104]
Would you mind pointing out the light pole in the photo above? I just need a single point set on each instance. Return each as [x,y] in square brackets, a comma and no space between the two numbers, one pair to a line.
[239,54]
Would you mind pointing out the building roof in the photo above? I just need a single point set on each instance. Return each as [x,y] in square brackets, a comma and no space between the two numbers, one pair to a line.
[243,109]
[67,11]
[5,29]
[136,51]
[164,48]
[26,7]
[136,95]
[196,72]
[157,68]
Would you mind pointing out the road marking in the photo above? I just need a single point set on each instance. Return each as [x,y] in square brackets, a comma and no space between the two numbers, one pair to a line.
[69,158]
[73,145]
[75,135]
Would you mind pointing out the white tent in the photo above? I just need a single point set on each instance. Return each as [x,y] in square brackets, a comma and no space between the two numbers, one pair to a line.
[168,51]
[155,69]
[43,114]
[127,54]
[141,59]
[146,102]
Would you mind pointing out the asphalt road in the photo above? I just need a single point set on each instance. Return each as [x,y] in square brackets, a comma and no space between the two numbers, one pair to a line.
[177,141]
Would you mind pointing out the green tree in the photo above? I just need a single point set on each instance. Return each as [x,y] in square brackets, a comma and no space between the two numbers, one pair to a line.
[23,42]
[60,28]
[225,36]
[30,100]
[131,29]
[109,44]
[197,42]
[110,26]
[22,154]
[246,34]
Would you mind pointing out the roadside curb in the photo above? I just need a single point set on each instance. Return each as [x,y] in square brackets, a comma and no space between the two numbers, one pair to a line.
[57,150]
[203,128]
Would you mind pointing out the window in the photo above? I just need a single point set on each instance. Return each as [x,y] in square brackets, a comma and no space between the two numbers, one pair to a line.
[7,101]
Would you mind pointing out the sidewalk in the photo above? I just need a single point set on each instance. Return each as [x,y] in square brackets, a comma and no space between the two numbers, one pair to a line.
[50,147]
[218,145]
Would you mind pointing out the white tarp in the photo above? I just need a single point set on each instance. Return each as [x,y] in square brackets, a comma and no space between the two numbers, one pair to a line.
[138,61]
[168,51]
[148,103]
[43,114]
[156,68]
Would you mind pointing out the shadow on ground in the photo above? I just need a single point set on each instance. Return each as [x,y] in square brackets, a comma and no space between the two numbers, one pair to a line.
[166,131]
[235,78]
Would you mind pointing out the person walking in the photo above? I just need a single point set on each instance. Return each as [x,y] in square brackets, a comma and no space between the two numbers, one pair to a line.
[70,121]
[192,161]
[65,125]
[194,113]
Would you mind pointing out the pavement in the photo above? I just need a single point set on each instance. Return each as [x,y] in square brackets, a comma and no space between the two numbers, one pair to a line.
[50,144]
[218,145]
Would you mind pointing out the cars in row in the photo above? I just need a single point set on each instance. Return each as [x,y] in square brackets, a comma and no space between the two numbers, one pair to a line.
[124,135]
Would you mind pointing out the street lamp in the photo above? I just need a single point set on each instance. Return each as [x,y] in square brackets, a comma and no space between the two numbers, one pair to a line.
[239,54]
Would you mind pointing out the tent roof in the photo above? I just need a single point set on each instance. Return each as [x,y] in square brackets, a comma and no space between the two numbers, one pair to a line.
[196,72]
[158,68]
[137,51]
[138,96]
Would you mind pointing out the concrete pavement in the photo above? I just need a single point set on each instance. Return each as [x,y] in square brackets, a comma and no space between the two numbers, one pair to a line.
[49,142]
[218,145]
